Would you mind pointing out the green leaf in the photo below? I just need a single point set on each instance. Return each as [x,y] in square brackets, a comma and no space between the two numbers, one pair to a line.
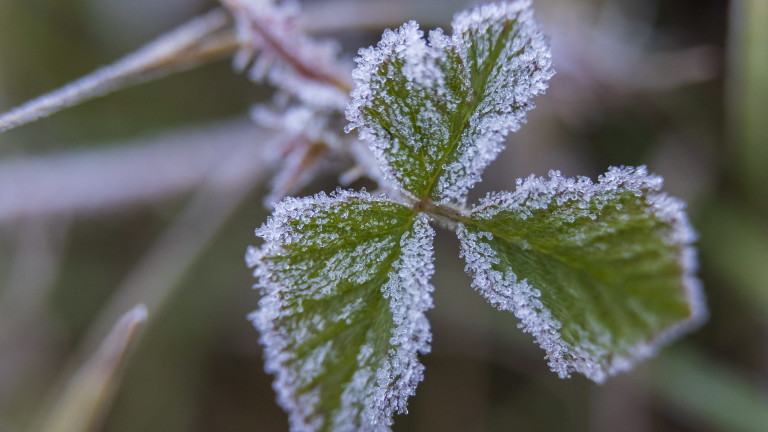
[600,274]
[436,112]
[345,281]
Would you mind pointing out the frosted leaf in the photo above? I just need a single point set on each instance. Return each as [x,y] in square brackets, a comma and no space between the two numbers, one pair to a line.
[345,283]
[436,111]
[285,57]
[601,274]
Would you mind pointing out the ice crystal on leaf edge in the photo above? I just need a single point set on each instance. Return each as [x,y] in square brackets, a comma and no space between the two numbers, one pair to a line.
[442,107]
[508,290]
[384,367]
[437,75]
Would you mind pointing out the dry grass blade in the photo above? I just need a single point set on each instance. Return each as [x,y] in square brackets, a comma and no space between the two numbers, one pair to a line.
[203,39]
[87,396]
[155,278]
[94,181]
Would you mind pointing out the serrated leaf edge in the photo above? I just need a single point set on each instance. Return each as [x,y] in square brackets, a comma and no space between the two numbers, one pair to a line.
[397,378]
[511,109]
[522,298]
[452,181]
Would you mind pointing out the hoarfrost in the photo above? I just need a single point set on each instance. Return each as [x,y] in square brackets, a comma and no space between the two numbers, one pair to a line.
[435,112]
[522,68]
[313,83]
[307,141]
[402,58]
[460,97]
[506,291]
[285,56]
[410,296]
[319,270]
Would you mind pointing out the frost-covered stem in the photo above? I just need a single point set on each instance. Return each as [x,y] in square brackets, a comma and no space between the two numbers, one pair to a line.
[307,70]
[203,39]
[443,213]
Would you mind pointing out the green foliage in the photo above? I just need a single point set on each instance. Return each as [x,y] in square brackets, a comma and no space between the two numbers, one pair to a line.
[437,110]
[598,273]
[601,274]
[347,288]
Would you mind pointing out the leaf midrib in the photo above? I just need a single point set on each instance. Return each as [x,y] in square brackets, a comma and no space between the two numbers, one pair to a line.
[600,281]
[470,105]
[371,317]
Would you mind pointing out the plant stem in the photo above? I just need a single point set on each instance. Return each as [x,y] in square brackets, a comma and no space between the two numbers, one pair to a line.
[445,214]
[199,41]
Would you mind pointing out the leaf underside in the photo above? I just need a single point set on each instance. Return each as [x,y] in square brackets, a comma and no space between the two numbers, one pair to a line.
[600,274]
[435,112]
[345,280]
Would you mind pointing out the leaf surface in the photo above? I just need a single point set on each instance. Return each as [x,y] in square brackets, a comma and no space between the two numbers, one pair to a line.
[345,281]
[436,111]
[600,273]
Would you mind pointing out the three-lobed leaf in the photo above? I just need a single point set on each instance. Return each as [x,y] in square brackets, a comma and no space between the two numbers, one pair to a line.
[436,111]
[601,274]
[345,283]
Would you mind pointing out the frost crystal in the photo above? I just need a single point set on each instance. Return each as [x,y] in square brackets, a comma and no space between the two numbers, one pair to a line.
[436,111]
[310,75]
[288,59]
[307,141]
[345,283]
[600,274]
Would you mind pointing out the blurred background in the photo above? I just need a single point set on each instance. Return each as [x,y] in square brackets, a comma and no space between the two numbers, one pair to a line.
[151,196]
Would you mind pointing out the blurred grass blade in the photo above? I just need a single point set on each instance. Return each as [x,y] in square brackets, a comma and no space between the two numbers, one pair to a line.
[735,245]
[748,92]
[712,394]
[87,396]
[158,274]
[201,40]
